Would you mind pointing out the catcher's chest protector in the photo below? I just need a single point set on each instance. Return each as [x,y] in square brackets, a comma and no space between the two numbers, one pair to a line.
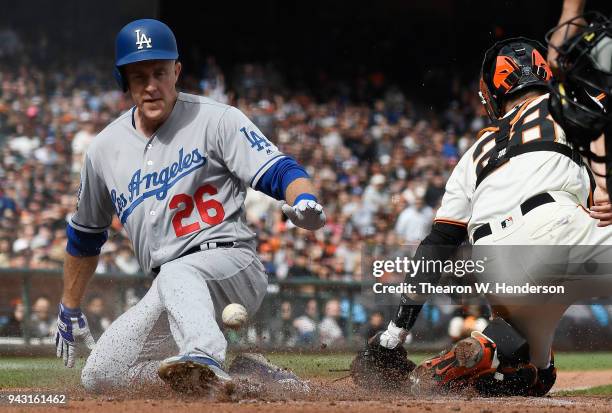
[527,130]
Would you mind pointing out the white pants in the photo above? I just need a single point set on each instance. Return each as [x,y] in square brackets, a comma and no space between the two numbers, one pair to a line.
[180,314]
[522,256]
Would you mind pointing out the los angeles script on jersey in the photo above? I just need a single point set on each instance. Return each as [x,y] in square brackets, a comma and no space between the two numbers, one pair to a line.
[155,184]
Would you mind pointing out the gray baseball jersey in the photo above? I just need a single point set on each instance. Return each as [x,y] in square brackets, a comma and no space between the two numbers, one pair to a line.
[183,186]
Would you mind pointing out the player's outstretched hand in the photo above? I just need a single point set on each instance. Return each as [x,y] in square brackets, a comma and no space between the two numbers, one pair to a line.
[307,214]
[71,326]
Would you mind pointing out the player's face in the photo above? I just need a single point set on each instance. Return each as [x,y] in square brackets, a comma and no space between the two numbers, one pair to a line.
[153,87]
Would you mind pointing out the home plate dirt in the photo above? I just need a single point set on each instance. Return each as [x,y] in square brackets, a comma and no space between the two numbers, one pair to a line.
[328,396]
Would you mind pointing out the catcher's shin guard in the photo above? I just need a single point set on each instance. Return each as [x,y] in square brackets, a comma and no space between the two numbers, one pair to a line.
[456,368]
[522,380]
[546,379]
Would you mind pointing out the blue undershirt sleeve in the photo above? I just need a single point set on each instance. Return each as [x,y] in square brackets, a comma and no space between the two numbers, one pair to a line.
[275,181]
[84,244]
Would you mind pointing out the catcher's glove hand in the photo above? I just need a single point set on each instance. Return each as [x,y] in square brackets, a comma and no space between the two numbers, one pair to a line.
[381,368]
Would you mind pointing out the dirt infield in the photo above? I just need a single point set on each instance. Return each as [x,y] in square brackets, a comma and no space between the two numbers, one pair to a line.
[337,396]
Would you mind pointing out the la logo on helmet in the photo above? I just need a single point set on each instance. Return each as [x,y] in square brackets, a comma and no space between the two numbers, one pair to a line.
[141,39]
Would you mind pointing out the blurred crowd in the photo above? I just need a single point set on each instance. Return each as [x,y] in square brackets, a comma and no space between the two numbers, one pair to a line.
[42,321]
[379,164]
[379,160]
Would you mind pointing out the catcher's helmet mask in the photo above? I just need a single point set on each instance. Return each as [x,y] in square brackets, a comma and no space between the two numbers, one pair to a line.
[580,97]
[141,40]
[510,66]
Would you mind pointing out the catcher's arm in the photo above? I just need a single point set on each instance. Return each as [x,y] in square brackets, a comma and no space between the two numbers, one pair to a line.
[601,208]
[571,9]
[384,362]
[440,244]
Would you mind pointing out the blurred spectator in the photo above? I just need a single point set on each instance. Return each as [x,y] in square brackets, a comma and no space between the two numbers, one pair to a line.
[42,321]
[126,262]
[330,332]
[5,252]
[81,141]
[306,324]
[300,268]
[435,191]
[358,315]
[282,331]
[375,195]
[376,322]
[95,310]
[213,81]
[14,326]
[10,44]
[467,319]
[7,203]
[414,223]
[106,264]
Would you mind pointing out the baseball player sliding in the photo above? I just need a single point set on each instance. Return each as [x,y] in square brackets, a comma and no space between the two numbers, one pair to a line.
[520,184]
[174,169]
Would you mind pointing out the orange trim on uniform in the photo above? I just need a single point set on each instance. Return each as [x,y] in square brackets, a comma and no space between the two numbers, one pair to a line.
[522,109]
[451,222]
[601,96]
[485,130]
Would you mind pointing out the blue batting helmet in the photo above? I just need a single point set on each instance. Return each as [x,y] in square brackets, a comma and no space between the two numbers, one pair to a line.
[140,40]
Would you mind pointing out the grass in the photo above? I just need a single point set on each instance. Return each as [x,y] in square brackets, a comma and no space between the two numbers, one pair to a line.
[583,361]
[320,365]
[38,372]
[592,391]
[49,373]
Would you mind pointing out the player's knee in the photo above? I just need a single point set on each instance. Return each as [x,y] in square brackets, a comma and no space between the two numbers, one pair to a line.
[165,281]
[89,378]
[97,378]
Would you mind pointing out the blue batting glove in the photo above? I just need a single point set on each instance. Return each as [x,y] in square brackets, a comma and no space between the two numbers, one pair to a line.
[71,325]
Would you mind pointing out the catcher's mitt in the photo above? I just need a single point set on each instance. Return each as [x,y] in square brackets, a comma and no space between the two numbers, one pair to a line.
[380,368]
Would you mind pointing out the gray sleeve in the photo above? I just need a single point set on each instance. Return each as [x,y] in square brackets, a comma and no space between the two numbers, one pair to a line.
[94,210]
[246,152]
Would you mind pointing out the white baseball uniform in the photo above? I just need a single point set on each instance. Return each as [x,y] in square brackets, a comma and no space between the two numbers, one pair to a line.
[497,200]
[181,188]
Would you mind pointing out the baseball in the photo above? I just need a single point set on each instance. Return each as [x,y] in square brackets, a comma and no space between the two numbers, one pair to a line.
[234,315]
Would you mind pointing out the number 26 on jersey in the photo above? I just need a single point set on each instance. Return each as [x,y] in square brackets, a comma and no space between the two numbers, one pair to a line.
[210,211]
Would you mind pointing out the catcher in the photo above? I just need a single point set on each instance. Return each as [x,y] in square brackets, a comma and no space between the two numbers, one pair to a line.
[521,183]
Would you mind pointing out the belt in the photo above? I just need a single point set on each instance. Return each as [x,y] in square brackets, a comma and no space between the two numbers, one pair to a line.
[531,203]
[202,247]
